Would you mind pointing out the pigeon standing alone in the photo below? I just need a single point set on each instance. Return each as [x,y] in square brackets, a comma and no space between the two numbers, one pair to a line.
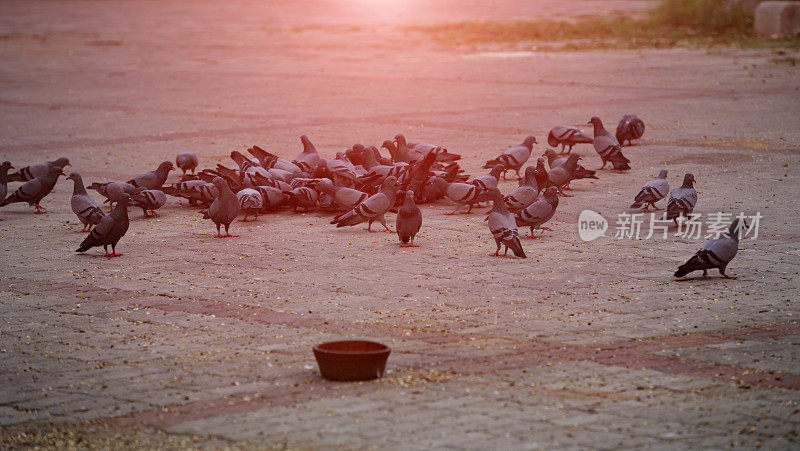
[224,209]
[153,179]
[608,147]
[682,200]
[514,157]
[652,192]
[565,135]
[716,253]
[187,161]
[503,226]
[34,190]
[37,170]
[630,127]
[109,230]
[409,221]
[87,210]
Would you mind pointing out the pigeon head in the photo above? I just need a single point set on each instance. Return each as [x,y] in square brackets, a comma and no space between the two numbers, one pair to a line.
[551,191]
[307,146]
[540,160]
[688,181]
[390,183]
[529,172]
[662,174]
[55,171]
[595,121]
[61,162]
[220,183]
[529,141]
[399,139]
[358,147]
[388,145]
[550,153]
[735,229]
[74,177]
[166,166]
[6,165]
[410,197]
[497,169]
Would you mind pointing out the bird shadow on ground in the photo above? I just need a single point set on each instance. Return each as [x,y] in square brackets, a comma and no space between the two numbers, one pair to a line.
[708,278]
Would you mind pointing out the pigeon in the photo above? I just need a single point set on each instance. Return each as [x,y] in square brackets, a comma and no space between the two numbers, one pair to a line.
[153,179]
[4,179]
[344,172]
[652,192]
[503,226]
[539,212]
[398,155]
[682,200]
[372,208]
[225,208]
[409,221]
[458,192]
[561,176]
[149,200]
[629,128]
[34,190]
[113,190]
[270,161]
[716,253]
[514,157]
[87,210]
[580,172]
[608,147]
[489,180]
[566,136]
[308,158]
[526,194]
[273,198]
[187,161]
[37,170]
[303,197]
[193,190]
[251,202]
[344,199]
[403,148]
[109,230]
[542,179]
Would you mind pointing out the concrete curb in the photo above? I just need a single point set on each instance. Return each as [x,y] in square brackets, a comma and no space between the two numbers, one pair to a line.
[777,19]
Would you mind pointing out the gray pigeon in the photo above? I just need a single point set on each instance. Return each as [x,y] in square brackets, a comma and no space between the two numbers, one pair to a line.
[149,200]
[458,192]
[303,197]
[580,172]
[372,208]
[153,179]
[525,194]
[309,157]
[502,225]
[513,158]
[652,192]
[561,176]
[409,221]
[112,191]
[539,212]
[565,135]
[109,230]
[193,190]
[4,179]
[629,128]
[682,200]
[273,198]
[716,253]
[608,147]
[36,170]
[344,199]
[87,210]
[187,161]
[33,191]
[251,202]
[225,208]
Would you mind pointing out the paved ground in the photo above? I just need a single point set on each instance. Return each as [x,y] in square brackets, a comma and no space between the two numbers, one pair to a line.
[191,341]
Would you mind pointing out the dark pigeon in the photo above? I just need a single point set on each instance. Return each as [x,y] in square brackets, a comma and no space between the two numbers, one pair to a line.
[716,253]
[503,226]
[682,200]
[187,161]
[225,208]
[608,147]
[514,157]
[109,230]
[565,135]
[33,191]
[153,179]
[37,170]
[629,128]
[409,220]
[652,192]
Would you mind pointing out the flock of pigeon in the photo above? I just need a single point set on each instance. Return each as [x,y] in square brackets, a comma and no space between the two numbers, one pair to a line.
[361,185]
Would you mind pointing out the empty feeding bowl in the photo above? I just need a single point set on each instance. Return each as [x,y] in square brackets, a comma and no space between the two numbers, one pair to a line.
[351,360]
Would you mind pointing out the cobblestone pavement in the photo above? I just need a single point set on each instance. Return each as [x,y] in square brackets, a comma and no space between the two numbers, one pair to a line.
[191,341]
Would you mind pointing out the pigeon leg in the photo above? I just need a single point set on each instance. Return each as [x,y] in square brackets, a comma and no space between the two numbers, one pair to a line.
[563,148]
[567,187]
[369,227]
[601,167]
[153,213]
[505,254]
[39,209]
[563,193]
[646,207]
[412,243]
[546,228]
[705,272]
[219,233]
[722,271]
[383,221]
[243,219]
[228,234]
[454,211]
[105,248]
[656,208]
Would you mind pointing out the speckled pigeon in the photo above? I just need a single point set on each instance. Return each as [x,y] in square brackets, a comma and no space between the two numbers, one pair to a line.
[629,128]
[344,199]
[113,190]
[225,208]
[153,179]
[149,200]
[652,192]
[608,147]
[109,230]
[309,157]
[84,207]
[251,202]
[193,190]
[513,158]
[503,226]
[187,161]
[539,212]
[525,194]
[542,178]
[682,200]
[459,192]
[408,221]
[37,170]
[561,176]
[565,135]
[303,198]
[34,190]
[580,172]
[716,253]
[372,208]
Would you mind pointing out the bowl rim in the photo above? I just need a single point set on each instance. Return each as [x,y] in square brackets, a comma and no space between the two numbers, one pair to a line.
[318,347]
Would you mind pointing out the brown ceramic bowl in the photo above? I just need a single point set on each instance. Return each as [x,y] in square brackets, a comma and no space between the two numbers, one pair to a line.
[351,360]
